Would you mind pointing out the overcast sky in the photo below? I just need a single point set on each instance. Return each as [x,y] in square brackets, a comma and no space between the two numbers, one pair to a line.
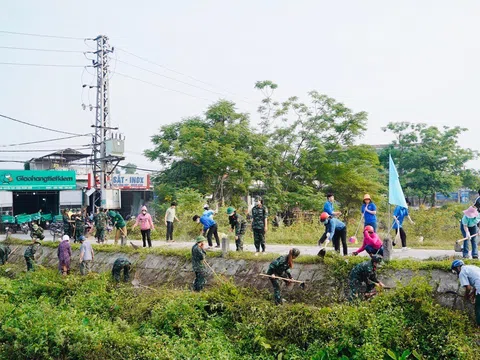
[411,61]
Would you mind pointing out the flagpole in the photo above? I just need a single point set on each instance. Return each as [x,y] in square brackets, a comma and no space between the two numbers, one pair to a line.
[388,197]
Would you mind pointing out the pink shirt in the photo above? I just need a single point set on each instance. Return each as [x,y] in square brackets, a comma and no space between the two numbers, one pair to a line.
[370,239]
[145,221]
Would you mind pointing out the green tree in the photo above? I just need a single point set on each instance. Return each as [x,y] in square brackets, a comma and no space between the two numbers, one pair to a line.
[216,154]
[429,159]
[130,168]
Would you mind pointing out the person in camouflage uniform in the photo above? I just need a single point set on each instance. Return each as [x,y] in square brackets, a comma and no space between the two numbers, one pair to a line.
[281,266]
[100,225]
[67,229]
[4,253]
[37,232]
[29,255]
[365,272]
[118,265]
[198,258]
[239,224]
[121,227]
[79,227]
[259,224]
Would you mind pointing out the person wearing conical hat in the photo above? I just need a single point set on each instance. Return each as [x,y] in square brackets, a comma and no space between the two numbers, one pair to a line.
[369,211]
[468,227]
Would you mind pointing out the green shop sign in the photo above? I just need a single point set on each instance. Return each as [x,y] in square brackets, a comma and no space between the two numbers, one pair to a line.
[37,180]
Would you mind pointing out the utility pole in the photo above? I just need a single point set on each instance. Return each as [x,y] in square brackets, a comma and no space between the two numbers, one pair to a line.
[107,148]
[102,116]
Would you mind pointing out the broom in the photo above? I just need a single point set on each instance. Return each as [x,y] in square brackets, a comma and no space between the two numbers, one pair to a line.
[353,239]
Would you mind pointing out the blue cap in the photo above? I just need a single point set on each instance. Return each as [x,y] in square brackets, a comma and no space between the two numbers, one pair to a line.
[81,238]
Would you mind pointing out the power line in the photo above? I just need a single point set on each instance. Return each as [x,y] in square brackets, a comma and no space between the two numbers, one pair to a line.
[39,126]
[47,65]
[43,150]
[44,141]
[38,49]
[13,161]
[162,87]
[169,77]
[175,71]
[129,167]
[41,35]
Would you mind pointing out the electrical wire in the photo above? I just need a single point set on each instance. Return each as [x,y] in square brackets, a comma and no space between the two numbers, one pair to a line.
[44,141]
[41,35]
[175,71]
[129,167]
[162,87]
[46,65]
[169,77]
[43,150]
[38,49]
[39,126]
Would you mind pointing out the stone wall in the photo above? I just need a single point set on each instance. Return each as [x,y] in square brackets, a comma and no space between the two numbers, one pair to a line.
[321,288]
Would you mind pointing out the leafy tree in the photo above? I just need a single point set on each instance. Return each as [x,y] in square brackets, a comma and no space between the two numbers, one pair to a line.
[216,154]
[130,168]
[429,159]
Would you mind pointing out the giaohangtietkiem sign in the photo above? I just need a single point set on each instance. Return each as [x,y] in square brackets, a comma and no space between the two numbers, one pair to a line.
[37,180]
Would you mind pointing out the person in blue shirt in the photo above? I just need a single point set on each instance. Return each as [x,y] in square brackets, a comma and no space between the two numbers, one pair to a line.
[469,276]
[210,228]
[328,207]
[335,230]
[369,211]
[468,227]
[399,214]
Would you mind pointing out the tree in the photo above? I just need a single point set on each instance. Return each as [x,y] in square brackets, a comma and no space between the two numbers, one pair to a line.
[215,154]
[130,168]
[309,148]
[429,159]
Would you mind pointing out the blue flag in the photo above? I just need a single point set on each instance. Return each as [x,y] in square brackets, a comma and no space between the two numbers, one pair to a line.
[395,192]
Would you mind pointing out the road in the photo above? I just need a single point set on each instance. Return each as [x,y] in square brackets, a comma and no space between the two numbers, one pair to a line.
[419,254]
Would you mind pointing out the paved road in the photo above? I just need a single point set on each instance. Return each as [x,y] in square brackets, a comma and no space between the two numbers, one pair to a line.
[419,254]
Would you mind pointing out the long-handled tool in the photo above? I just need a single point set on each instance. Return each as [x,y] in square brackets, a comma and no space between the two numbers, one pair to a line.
[467,238]
[213,271]
[302,283]
[12,252]
[353,239]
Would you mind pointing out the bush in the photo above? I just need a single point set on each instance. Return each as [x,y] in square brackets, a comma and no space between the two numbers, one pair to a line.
[45,316]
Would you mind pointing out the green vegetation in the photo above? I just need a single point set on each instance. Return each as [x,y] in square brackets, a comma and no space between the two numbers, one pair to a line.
[45,316]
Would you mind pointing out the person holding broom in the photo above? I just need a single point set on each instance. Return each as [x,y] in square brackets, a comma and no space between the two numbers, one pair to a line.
[334,230]
[282,267]
[372,243]
[120,225]
[369,211]
[399,215]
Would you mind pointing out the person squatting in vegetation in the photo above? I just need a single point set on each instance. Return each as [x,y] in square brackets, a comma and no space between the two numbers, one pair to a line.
[328,207]
[121,264]
[119,224]
[364,273]
[468,227]
[100,225]
[372,243]
[37,232]
[399,215]
[259,225]
[64,254]
[239,224]
[282,267]
[4,253]
[169,219]
[210,228]
[86,256]
[334,230]
[198,263]
[369,211]
[29,255]
[144,219]
[469,276]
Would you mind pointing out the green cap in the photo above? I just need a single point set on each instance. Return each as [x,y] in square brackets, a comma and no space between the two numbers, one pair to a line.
[200,239]
[230,210]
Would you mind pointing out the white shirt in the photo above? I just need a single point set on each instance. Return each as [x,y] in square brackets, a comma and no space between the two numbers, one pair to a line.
[470,275]
[170,214]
